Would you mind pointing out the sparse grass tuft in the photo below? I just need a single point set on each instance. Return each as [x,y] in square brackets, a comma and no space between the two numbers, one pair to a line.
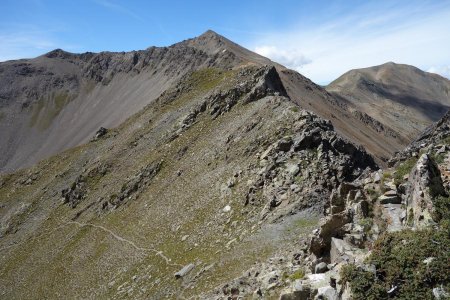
[299,274]
[403,169]
[45,110]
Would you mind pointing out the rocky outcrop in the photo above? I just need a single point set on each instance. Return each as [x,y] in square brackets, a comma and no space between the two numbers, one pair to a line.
[254,84]
[347,205]
[78,190]
[308,164]
[131,188]
[423,186]
[434,138]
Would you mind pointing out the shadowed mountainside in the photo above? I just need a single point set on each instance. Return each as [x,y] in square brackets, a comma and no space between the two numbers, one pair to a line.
[401,97]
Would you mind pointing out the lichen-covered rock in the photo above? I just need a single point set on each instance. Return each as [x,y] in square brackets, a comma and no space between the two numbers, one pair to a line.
[424,184]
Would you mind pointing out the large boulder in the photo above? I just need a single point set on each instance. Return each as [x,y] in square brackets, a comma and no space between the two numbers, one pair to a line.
[331,226]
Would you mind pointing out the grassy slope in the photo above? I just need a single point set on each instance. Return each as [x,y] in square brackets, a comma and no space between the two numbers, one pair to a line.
[56,258]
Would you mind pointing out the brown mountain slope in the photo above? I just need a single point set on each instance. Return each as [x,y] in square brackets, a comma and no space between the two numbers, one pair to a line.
[379,139]
[57,101]
[220,172]
[399,96]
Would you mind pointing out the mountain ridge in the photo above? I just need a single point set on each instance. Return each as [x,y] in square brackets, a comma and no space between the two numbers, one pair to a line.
[60,99]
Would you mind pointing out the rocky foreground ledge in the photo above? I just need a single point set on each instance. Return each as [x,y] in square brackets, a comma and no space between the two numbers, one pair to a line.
[384,235]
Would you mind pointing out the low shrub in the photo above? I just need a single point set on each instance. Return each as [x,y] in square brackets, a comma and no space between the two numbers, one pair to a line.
[399,260]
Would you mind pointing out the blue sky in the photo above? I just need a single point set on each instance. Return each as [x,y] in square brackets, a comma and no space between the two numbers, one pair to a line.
[320,39]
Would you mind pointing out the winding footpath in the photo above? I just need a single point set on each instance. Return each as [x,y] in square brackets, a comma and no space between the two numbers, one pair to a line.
[124,240]
[114,235]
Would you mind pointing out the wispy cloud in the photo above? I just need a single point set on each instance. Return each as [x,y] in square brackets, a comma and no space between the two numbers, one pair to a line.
[368,36]
[441,70]
[20,44]
[119,9]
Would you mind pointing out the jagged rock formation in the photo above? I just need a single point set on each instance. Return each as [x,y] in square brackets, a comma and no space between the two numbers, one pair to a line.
[359,217]
[424,185]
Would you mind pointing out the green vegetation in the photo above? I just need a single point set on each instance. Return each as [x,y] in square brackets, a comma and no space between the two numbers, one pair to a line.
[403,169]
[302,223]
[362,283]
[206,79]
[399,261]
[366,224]
[299,274]
[438,158]
[45,110]
[441,208]
[374,194]
[446,140]
[295,109]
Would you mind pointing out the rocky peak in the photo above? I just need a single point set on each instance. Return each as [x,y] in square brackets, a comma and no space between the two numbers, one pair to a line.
[59,53]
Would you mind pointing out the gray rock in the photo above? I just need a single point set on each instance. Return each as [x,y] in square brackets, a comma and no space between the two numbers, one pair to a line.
[440,293]
[386,199]
[183,272]
[296,295]
[293,169]
[424,184]
[376,177]
[100,132]
[284,144]
[327,292]
[321,268]
[299,291]
[339,249]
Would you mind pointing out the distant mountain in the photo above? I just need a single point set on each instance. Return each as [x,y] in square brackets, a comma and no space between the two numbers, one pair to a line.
[59,100]
[399,96]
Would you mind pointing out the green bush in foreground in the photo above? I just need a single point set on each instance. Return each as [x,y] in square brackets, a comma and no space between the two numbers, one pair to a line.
[399,260]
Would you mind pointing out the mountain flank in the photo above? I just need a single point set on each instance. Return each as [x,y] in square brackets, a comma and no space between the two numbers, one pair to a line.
[59,100]
[400,97]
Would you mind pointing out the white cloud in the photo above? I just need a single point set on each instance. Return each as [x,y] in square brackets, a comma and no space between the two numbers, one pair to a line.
[368,37]
[24,44]
[441,70]
[27,41]
[292,57]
